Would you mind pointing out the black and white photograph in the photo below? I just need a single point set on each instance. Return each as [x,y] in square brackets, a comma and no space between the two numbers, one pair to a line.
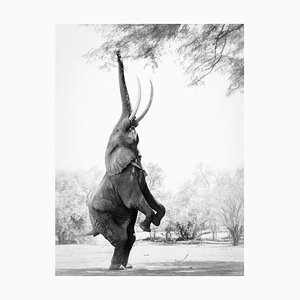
[149,150]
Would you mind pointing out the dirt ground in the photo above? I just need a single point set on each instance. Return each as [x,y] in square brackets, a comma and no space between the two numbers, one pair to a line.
[152,259]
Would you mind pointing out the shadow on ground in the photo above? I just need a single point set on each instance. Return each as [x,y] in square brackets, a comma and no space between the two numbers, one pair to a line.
[188,268]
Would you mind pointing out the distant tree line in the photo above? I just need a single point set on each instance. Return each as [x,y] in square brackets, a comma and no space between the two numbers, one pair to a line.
[208,203]
[71,214]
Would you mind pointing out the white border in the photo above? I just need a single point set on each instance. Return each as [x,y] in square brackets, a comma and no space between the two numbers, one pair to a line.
[27,154]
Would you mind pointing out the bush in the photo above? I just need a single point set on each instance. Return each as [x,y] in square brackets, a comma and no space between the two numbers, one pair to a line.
[71,213]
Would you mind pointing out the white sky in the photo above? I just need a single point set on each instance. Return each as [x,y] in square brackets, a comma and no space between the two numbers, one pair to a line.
[184,127]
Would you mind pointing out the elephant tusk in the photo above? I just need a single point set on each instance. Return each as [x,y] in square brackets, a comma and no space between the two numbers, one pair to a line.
[148,106]
[138,101]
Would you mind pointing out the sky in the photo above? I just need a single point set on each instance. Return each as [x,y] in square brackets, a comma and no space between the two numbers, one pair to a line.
[184,127]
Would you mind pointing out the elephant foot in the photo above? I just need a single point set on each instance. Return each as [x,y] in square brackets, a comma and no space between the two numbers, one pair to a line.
[145,226]
[116,267]
[158,216]
[129,266]
[156,220]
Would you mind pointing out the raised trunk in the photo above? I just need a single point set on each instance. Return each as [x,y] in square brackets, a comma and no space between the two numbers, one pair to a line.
[126,106]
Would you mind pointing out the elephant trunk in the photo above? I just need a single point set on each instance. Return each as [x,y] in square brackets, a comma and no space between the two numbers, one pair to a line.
[126,106]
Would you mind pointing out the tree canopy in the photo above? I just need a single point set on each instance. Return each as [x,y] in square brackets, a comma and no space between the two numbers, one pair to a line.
[201,49]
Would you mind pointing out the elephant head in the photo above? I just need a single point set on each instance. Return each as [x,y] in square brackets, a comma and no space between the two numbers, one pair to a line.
[123,141]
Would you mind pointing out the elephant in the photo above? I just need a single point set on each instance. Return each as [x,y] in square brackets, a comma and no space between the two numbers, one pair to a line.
[114,204]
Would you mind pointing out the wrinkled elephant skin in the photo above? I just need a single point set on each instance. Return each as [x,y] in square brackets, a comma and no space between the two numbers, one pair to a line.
[123,191]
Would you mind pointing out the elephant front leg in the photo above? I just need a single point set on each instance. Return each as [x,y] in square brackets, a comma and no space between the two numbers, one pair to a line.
[154,204]
[131,195]
[143,206]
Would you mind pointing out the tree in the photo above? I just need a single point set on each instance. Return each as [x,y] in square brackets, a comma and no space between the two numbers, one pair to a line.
[190,212]
[201,49]
[205,203]
[229,203]
[71,214]
[190,221]
[203,180]
[208,200]
[155,178]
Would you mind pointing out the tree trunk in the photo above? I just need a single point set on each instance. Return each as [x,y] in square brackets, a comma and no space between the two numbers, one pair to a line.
[235,240]
[214,232]
[152,234]
[235,233]
[168,236]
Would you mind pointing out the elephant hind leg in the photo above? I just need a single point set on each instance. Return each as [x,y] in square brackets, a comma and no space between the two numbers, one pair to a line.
[128,247]
[130,241]
[116,234]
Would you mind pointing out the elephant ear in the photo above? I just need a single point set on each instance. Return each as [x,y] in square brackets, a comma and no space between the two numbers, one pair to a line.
[118,160]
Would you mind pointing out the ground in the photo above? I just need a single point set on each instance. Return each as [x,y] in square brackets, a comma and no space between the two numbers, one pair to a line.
[152,259]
